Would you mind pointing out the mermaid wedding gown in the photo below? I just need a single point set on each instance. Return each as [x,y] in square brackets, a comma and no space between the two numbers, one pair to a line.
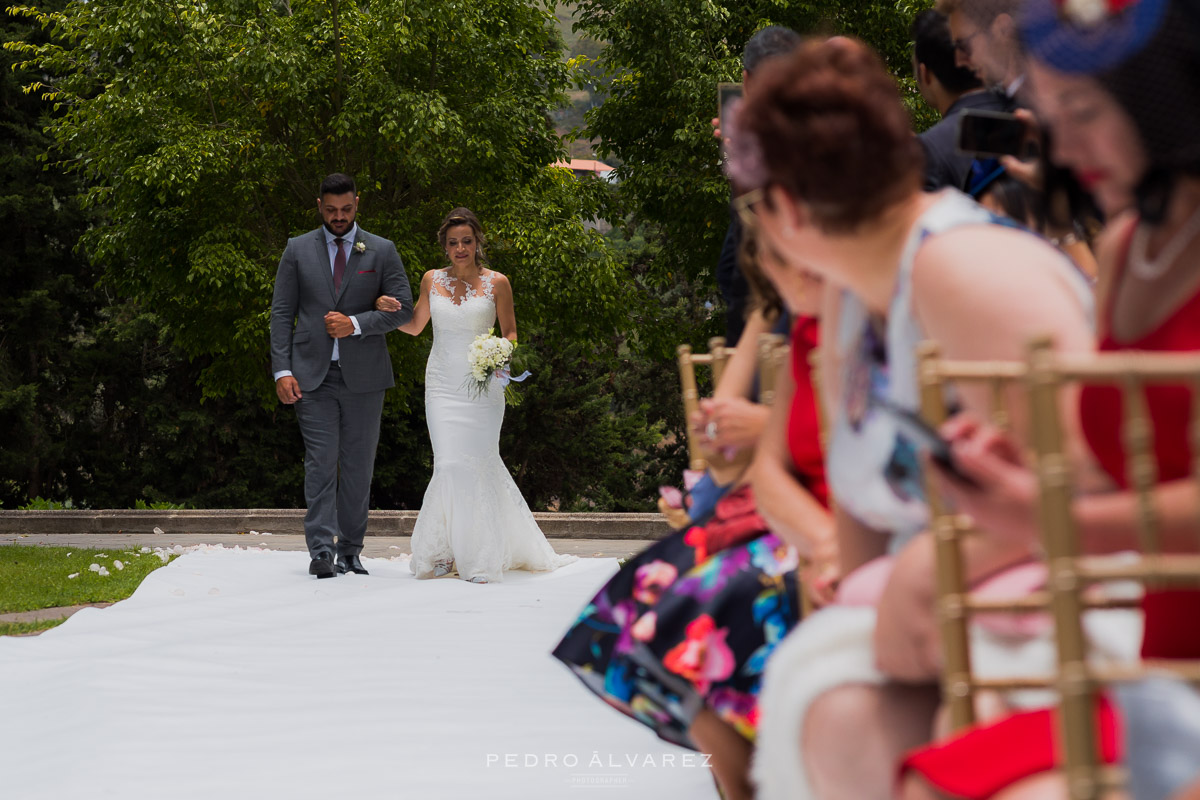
[473,514]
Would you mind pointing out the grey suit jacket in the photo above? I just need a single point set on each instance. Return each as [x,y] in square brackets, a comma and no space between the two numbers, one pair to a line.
[304,294]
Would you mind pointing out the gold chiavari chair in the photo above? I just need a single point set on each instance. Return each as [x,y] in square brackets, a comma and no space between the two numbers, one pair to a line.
[717,357]
[772,354]
[1078,681]
[960,685]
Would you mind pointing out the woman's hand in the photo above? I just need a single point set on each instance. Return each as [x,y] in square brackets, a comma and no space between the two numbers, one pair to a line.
[386,303]
[1003,505]
[730,422]
[820,576]
[1027,172]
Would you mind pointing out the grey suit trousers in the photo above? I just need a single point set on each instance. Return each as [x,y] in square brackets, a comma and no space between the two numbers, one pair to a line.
[340,430]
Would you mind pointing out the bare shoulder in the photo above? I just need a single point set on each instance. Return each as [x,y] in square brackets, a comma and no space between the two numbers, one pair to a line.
[987,258]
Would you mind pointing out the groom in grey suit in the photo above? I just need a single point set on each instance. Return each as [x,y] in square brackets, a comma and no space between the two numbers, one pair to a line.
[330,359]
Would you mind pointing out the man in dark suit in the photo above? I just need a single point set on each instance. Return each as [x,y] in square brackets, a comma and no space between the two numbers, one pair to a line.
[767,43]
[330,360]
[951,89]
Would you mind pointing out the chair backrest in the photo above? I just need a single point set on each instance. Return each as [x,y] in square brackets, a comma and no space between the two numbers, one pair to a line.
[955,605]
[1045,375]
[772,353]
[1079,681]
[716,357]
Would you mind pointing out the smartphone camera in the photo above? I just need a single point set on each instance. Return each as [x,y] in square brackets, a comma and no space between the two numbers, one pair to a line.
[991,134]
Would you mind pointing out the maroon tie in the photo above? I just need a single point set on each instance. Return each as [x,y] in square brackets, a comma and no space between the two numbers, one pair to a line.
[339,265]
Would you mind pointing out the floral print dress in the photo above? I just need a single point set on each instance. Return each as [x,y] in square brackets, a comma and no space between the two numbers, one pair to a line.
[681,627]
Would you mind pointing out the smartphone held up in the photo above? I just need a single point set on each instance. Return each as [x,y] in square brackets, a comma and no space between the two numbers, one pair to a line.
[991,134]
[726,94]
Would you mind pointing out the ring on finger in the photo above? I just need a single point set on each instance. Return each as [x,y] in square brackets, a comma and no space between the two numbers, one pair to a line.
[710,430]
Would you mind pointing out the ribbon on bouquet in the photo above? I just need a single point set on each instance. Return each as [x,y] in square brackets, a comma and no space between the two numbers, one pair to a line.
[505,377]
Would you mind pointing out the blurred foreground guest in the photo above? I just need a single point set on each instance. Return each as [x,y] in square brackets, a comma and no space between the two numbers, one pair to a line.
[679,638]
[825,140]
[1121,97]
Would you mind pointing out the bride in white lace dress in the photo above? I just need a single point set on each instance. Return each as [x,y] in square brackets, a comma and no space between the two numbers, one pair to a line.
[473,518]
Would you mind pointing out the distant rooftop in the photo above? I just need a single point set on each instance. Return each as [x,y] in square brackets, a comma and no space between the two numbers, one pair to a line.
[582,165]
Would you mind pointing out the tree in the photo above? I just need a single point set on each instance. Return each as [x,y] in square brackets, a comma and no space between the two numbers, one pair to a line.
[662,62]
[203,128]
[47,296]
[198,133]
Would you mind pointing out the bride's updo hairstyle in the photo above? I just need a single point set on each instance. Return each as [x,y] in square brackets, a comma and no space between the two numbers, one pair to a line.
[464,216]
[827,124]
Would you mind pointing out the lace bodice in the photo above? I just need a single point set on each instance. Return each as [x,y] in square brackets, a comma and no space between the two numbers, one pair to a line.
[460,312]
[459,292]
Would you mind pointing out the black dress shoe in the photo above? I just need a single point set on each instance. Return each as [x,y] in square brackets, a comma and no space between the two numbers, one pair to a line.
[322,567]
[350,564]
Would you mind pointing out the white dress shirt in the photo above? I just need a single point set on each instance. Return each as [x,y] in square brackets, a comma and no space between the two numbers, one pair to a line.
[331,248]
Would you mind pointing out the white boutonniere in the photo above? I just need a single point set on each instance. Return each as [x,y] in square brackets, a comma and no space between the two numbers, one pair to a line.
[360,247]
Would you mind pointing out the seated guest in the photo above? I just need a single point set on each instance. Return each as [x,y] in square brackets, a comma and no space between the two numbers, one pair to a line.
[950,89]
[678,639]
[824,140]
[1140,156]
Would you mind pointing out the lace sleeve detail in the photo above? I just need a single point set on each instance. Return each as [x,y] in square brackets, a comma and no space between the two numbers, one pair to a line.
[485,283]
[443,281]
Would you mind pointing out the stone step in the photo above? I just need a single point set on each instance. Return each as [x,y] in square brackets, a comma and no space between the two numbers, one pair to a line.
[291,521]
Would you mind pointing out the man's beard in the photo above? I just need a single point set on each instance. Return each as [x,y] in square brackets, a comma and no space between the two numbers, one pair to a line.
[349,227]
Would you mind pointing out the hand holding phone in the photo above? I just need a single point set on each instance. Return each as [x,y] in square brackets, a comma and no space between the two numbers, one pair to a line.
[921,434]
[726,94]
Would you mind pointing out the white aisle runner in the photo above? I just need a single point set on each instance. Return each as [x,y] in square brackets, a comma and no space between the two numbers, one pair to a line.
[233,674]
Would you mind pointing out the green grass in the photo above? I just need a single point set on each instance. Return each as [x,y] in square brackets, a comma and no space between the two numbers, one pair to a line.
[18,628]
[33,577]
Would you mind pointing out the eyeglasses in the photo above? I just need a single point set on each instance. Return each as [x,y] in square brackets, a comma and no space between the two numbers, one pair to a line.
[963,45]
[744,206]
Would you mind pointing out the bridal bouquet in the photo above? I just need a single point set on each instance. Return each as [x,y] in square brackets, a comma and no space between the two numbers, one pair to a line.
[490,359]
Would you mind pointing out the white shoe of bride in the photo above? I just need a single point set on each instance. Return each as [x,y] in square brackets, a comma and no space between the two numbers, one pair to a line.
[477,579]
[441,568]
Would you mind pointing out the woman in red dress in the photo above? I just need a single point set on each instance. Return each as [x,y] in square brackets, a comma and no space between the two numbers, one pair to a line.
[1120,99]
